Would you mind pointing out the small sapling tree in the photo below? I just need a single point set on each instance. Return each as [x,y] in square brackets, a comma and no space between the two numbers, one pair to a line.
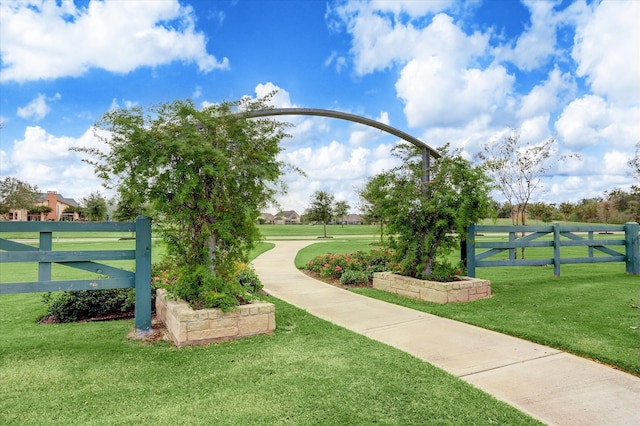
[375,201]
[322,208]
[94,207]
[517,168]
[203,175]
[341,209]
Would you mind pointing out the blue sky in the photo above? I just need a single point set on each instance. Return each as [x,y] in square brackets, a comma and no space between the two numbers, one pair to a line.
[443,71]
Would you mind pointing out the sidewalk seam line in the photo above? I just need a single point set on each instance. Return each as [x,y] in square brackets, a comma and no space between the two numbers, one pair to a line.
[511,363]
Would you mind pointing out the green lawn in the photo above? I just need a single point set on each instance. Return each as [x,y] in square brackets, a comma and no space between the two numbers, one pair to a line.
[308,372]
[592,310]
[317,230]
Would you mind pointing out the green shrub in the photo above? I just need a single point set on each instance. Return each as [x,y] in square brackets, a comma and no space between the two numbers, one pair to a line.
[249,280]
[202,290]
[354,278]
[445,271]
[70,306]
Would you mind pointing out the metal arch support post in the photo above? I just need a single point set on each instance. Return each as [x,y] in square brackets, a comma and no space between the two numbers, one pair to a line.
[426,166]
[349,117]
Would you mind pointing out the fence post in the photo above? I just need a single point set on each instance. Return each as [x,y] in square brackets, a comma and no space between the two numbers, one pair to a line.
[471,250]
[45,244]
[556,249]
[142,321]
[632,247]
[512,251]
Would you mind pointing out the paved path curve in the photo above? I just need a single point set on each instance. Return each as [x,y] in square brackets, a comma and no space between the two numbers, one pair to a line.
[550,385]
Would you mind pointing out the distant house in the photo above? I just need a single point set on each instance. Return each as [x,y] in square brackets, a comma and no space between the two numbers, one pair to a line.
[267,218]
[353,219]
[289,217]
[56,202]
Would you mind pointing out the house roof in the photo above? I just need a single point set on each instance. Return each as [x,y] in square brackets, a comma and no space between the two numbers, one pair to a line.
[288,213]
[68,201]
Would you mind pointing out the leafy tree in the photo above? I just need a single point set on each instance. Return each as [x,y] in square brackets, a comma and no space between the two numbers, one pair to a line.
[321,209]
[94,207]
[542,211]
[16,195]
[341,209]
[428,219]
[39,209]
[128,207]
[587,209]
[375,201]
[203,175]
[566,208]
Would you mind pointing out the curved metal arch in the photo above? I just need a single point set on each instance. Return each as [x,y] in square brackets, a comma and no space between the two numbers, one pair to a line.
[345,116]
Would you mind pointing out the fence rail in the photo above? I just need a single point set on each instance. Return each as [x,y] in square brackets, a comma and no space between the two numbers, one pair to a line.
[43,254]
[562,236]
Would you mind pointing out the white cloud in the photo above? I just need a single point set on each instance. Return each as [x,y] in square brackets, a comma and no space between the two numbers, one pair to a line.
[537,43]
[45,160]
[364,135]
[337,168]
[44,40]
[339,62]
[281,99]
[441,81]
[589,120]
[547,96]
[436,93]
[35,110]
[536,128]
[606,49]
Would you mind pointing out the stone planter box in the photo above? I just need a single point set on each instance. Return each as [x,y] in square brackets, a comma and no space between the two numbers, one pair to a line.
[465,290]
[187,326]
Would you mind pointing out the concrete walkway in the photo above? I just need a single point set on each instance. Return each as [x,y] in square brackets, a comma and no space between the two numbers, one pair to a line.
[554,387]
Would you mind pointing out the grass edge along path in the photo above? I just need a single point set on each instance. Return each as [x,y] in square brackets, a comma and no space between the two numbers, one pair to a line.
[591,310]
[309,372]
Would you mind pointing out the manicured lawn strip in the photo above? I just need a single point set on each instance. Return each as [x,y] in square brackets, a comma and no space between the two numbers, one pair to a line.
[591,310]
[309,372]
[260,248]
[317,230]
[67,235]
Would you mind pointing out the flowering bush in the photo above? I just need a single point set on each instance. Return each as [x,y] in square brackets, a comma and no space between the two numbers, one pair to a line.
[366,262]
[357,268]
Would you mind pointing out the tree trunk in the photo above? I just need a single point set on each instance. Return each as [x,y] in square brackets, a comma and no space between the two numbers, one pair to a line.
[523,217]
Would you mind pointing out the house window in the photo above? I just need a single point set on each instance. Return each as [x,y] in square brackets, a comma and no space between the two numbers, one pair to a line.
[13,216]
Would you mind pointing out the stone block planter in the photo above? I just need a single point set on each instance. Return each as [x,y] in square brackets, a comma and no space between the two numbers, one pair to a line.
[465,290]
[187,326]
